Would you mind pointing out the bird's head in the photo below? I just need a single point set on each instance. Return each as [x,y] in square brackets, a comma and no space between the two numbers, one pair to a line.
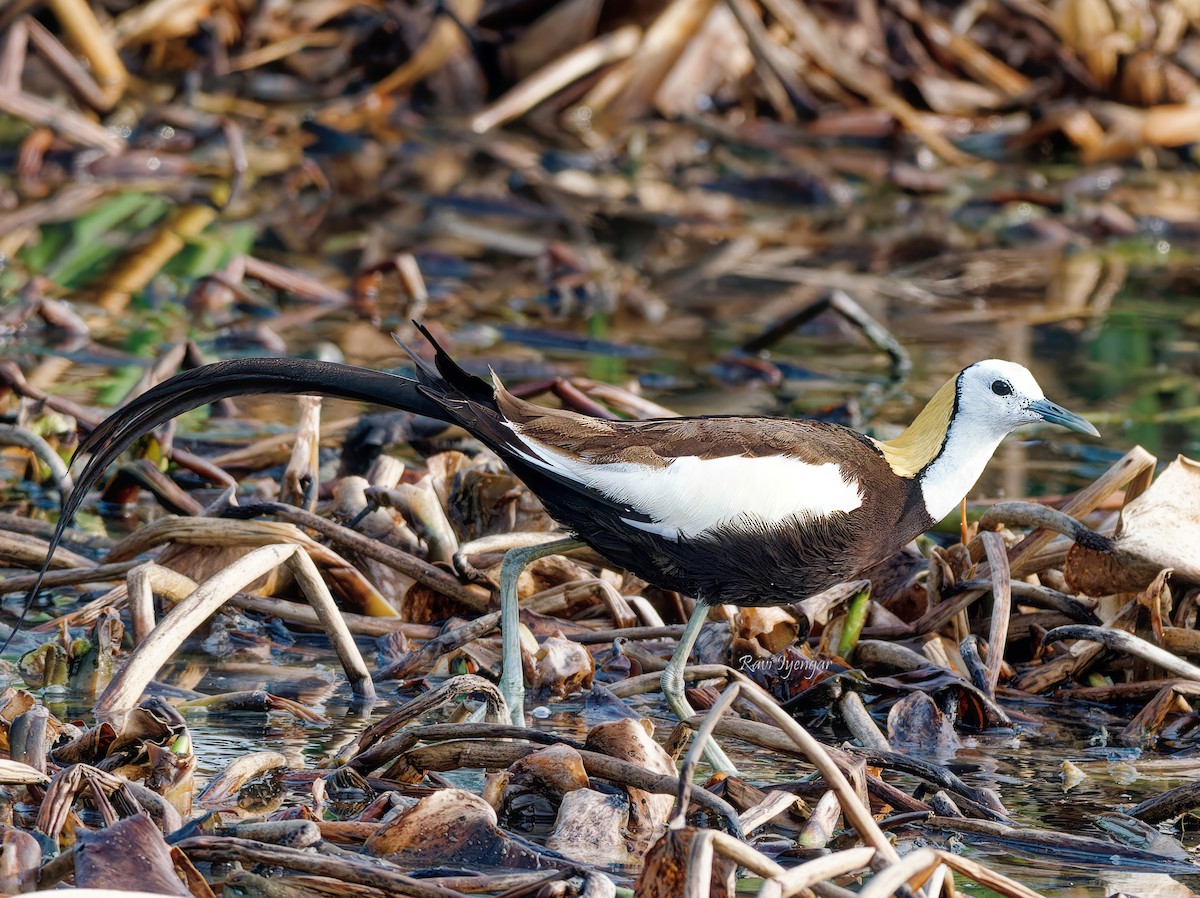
[978,406]
[998,396]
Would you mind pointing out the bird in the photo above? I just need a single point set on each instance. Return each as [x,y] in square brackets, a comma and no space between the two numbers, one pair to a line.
[726,509]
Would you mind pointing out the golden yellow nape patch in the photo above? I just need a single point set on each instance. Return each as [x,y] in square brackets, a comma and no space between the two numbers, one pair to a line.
[922,441]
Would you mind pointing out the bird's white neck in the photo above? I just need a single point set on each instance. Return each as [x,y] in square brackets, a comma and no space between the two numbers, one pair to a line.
[945,449]
[968,447]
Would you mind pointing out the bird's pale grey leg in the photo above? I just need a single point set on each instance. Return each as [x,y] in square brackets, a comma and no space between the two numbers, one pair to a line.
[512,676]
[672,685]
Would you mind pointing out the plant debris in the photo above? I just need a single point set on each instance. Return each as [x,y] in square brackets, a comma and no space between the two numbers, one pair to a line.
[611,191]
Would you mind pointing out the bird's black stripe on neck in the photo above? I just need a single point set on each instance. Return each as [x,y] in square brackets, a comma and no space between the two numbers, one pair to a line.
[949,426]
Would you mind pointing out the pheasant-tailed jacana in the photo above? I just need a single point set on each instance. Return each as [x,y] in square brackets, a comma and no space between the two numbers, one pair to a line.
[744,510]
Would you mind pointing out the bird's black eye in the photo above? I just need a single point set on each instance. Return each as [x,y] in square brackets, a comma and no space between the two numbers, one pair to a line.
[1001,388]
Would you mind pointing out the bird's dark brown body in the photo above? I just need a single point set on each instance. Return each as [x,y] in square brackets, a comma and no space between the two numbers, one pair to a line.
[744,562]
[750,563]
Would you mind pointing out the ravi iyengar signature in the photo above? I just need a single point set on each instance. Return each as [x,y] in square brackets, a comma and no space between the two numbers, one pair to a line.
[782,666]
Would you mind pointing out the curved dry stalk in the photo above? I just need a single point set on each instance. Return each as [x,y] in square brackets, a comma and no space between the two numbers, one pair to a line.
[226,532]
[798,879]
[742,854]
[652,682]
[141,583]
[301,477]
[558,74]
[709,842]
[476,753]
[862,726]
[20,549]
[997,556]
[466,684]
[976,871]
[1035,516]
[916,864]
[858,816]
[410,565]
[347,868]
[161,643]
[773,804]
[27,439]
[1126,642]
[703,734]
[237,773]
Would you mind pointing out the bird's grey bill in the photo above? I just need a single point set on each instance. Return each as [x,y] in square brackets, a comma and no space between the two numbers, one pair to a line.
[1056,414]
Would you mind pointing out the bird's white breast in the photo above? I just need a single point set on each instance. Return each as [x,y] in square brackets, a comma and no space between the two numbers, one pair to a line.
[690,496]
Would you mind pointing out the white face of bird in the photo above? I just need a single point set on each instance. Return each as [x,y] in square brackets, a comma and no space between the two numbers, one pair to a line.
[995,397]
[990,399]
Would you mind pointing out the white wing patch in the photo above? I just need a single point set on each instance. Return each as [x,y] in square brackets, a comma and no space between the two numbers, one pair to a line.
[692,495]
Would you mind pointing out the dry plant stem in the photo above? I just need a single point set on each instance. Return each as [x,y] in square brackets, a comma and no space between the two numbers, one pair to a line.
[709,842]
[562,72]
[16,548]
[444,41]
[1128,643]
[1078,658]
[798,879]
[491,753]
[768,809]
[238,772]
[1172,803]
[27,439]
[301,477]
[500,543]
[224,532]
[84,31]
[385,750]
[1130,471]
[127,686]
[779,81]
[512,675]
[371,872]
[1079,610]
[14,773]
[466,684]
[673,631]
[143,581]
[67,124]
[628,91]
[12,55]
[421,571]
[993,544]
[842,65]
[650,682]
[1025,558]
[703,734]
[858,816]
[1033,515]
[137,269]
[975,871]
[860,722]
[940,776]
[914,865]
[359,624]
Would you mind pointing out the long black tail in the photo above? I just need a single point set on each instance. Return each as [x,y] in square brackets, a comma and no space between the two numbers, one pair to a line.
[221,380]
